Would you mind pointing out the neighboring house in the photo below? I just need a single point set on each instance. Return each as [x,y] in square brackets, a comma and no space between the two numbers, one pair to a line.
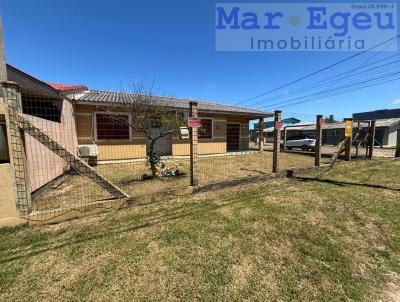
[269,128]
[333,133]
[72,115]
[377,115]
[388,119]
[224,128]
[286,122]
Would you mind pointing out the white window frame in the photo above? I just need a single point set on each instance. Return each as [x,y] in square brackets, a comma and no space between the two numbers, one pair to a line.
[111,113]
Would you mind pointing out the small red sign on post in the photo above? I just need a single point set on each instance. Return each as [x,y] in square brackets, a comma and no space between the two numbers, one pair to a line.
[278,125]
[322,122]
[194,123]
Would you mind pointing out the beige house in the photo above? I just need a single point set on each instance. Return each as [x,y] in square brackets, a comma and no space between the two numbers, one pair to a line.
[224,128]
[74,116]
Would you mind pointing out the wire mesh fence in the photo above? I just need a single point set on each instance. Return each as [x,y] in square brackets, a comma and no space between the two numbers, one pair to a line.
[77,155]
[64,170]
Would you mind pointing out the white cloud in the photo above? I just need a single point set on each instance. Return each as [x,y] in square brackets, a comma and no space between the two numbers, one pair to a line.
[396,102]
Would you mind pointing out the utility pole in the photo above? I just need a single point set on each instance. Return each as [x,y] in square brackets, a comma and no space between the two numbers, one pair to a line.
[398,144]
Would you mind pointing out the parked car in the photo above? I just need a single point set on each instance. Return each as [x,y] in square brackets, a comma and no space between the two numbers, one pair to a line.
[300,142]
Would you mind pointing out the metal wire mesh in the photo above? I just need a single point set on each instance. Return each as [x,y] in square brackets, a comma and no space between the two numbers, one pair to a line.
[54,133]
[74,155]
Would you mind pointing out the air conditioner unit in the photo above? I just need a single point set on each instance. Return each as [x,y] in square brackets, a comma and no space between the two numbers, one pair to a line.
[88,150]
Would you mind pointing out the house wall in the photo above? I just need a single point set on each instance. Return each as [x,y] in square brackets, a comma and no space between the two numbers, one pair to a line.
[332,136]
[181,147]
[108,150]
[217,144]
[43,164]
[136,147]
[392,135]
[8,210]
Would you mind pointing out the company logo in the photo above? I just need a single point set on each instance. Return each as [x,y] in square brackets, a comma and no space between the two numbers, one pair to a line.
[304,26]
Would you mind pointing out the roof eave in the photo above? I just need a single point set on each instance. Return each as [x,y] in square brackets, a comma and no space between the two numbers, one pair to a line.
[247,114]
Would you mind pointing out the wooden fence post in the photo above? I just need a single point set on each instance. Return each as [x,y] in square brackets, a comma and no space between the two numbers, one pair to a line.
[194,180]
[372,139]
[318,141]
[349,139]
[261,134]
[277,141]
[398,144]
[13,106]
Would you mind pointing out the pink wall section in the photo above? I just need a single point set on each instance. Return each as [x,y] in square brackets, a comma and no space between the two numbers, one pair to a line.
[43,164]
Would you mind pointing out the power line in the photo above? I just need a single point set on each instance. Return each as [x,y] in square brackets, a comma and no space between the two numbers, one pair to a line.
[350,74]
[334,79]
[321,93]
[342,92]
[318,71]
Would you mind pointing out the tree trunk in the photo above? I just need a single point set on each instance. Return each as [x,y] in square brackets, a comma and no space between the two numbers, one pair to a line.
[151,156]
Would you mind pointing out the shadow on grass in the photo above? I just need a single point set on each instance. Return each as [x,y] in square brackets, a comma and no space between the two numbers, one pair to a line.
[239,181]
[343,183]
[151,219]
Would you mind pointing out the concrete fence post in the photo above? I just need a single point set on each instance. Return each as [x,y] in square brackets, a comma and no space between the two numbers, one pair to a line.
[261,134]
[277,141]
[349,140]
[318,141]
[194,144]
[398,144]
[371,139]
[13,106]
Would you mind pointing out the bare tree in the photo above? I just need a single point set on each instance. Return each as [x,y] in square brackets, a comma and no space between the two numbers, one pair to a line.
[150,115]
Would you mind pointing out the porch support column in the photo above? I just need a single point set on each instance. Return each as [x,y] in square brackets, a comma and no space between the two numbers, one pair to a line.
[284,139]
[194,180]
[277,141]
[261,134]
[371,139]
[367,140]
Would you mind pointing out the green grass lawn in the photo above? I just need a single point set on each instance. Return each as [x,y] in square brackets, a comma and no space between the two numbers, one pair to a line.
[331,236]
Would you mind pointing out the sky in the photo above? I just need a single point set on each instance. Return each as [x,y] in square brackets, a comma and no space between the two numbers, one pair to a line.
[109,45]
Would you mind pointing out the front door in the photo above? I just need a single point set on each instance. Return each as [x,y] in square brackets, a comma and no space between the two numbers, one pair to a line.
[233,137]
